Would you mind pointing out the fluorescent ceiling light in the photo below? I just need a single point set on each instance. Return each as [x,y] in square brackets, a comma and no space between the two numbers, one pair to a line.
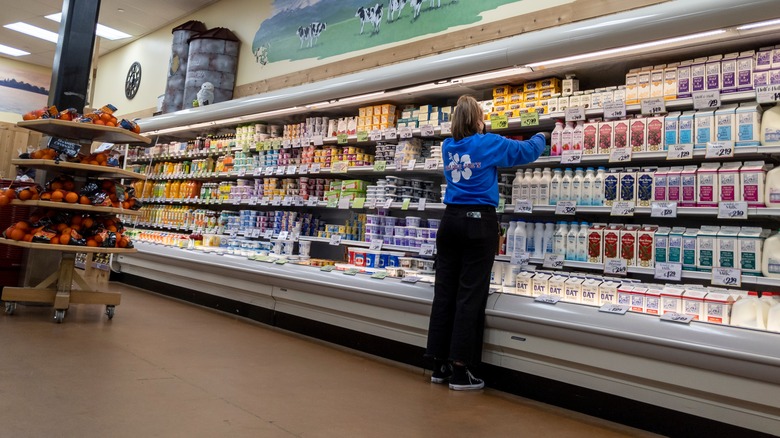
[101,31]
[494,74]
[31,30]
[611,23]
[362,96]
[759,24]
[11,51]
[626,48]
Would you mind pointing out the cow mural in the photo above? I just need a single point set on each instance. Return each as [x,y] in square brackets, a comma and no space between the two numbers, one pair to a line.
[370,14]
[310,34]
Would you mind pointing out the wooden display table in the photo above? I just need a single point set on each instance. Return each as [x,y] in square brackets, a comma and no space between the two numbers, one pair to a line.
[84,131]
[76,207]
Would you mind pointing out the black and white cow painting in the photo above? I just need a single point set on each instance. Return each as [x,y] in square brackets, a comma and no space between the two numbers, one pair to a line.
[416,5]
[370,14]
[304,33]
[261,54]
[396,6]
[311,33]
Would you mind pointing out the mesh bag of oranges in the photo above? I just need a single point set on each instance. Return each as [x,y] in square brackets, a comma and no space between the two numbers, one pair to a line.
[69,228]
[103,116]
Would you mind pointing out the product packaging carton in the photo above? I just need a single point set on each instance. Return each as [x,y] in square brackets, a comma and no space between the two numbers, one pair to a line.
[653,299]
[573,290]
[748,124]
[657,81]
[674,184]
[676,244]
[655,133]
[501,90]
[752,178]
[638,134]
[624,294]
[608,292]
[595,99]
[671,129]
[611,186]
[726,123]
[729,182]
[728,72]
[688,186]
[632,91]
[718,307]
[659,184]
[643,83]
[620,134]
[671,300]
[750,250]
[706,241]
[661,243]
[628,243]
[707,185]
[541,284]
[628,186]
[713,72]
[524,282]
[670,81]
[699,75]
[745,65]
[557,286]
[590,292]
[689,249]
[727,250]
[761,78]
[569,86]
[606,137]
[704,123]
[685,133]
[590,138]
[638,298]
[644,186]
[684,86]
[764,59]
[596,243]
[612,241]
[776,57]
[645,253]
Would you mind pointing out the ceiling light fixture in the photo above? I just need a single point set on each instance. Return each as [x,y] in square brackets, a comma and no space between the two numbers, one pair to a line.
[106,32]
[361,97]
[34,31]
[11,51]
[759,24]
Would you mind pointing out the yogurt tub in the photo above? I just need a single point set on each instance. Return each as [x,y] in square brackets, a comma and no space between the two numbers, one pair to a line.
[374,229]
[412,221]
[390,220]
[372,259]
[360,257]
[388,230]
[398,240]
[395,272]
[373,236]
[407,262]
[434,223]
[382,259]
[304,247]
[373,219]
[425,266]
[387,240]
[351,255]
[400,231]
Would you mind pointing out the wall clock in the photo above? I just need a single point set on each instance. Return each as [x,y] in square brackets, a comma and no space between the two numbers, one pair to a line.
[133,80]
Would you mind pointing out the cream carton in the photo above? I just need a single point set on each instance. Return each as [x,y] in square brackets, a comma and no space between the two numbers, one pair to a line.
[570,85]
[628,185]
[524,282]
[728,73]
[645,250]
[776,57]
[563,103]
[657,81]
[659,184]
[619,95]
[644,186]
[595,99]
[541,284]
[620,134]
[661,244]
[752,178]
[707,185]
[611,186]
[717,307]
[676,244]
[749,248]
[761,78]
[557,286]
[638,297]
[745,65]
[706,242]
[729,182]
[671,129]
[632,90]
[637,128]
[685,129]
[689,249]
[693,303]
[684,85]
[608,292]
[590,140]
[643,83]
[699,75]
[653,299]
[688,186]
[573,290]
[624,294]
[612,242]
[606,137]
[764,59]
[655,133]
[713,72]
[727,251]
[590,292]
[670,81]
[748,124]
[671,300]
[674,184]
[726,123]
[704,124]
[596,243]
[628,243]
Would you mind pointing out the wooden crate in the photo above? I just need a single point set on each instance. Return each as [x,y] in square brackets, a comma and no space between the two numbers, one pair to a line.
[12,140]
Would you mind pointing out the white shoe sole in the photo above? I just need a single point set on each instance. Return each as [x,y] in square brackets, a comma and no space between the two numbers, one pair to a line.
[467,387]
[438,380]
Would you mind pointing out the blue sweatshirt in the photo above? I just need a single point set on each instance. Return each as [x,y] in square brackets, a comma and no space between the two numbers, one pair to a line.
[471,165]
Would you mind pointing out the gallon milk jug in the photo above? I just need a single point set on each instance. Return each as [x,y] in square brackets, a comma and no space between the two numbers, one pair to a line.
[555,187]
[746,312]
[773,318]
[559,239]
[538,240]
[556,145]
[544,187]
[770,126]
[576,185]
[772,188]
[571,241]
[516,186]
[770,263]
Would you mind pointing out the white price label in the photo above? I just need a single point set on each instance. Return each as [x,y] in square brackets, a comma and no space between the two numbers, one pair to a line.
[571,157]
[269,170]
[680,152]
[768,94]
[388,203]
[726,277]
[617,309]
[524,206]
[268,234]
[335,239]
[623,208]
[242,172]
[446,128]
[410,279]
[575,114]
[412,164]
[391,134]
[236,201]
[615,110]
[732,210]
[312,201]
[292,170]
[655,105]
[265,200]
[567,208]
[427,131]
[553,261]
[344,204]
[706,99]
[431,164]
[280,170]
[405,133]
[616,267]
[286,143]
[255,233]
[677,317]
[427,250]
[664,209]
[668,271]
[317,140]
[304,169]
[375,135]
[620,155]
[421,204]
[376,245]
[287,201]
[548,299]
[277,201]
[315,168]
[258,171]
[721,149]
[283,235]
[339,167]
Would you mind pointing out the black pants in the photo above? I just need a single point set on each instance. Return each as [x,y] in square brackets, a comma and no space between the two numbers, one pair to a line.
[466,244]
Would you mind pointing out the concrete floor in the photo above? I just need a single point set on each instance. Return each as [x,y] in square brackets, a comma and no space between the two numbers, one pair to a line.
[164,368]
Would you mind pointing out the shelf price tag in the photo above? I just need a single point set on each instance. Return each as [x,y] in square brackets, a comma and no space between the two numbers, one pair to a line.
[280,170]
[317,140]
[431,164]
[732,210]
[283,235]
[258,171]
[446,128]
[358,203]
[391,134]
[298,201]
[726,277]
[282,262]
[615,110]
[405,132]
[379,275]
[380,166]
[616,267]
[768,94]
[344,204]
[242,172]
[342,139]
[427,131]
[375,135]
[335,239]
[286,143]
[668,271]
[410,279]
[548,299]
[623,208]
[269,234]
[664,209]
[339,167]
[498,121]
[651,106]
[575,114]
[352,271]
[620,155]
[287,201]
[427,250]
[677,317]
[328,268]
[255,233]
[362,136]
[304,169]
[292,170]
[421,204]
[412,164]
[706,99]
[376,245]
[405,204]
[571,157]
[315,168]
[531,118]
[566,208]
[276,201]
[388,204]
[269,170]
[617,309]
[680,152]
[313,201]
[371,204]
[721,149]
[524,206]
[265,200]
[332,202]
[553,261]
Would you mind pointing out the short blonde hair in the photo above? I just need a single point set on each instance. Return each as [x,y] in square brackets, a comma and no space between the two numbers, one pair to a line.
[467,117]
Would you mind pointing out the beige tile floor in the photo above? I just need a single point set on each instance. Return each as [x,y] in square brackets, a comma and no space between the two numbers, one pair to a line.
[164,368]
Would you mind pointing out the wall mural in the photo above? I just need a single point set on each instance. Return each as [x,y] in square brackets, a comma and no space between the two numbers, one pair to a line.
[22,90]
[303,29]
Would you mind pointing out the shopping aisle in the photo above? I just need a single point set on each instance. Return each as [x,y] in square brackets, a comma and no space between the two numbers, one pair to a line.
[164,368]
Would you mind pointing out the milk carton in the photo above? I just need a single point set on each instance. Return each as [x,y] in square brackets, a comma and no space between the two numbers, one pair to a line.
[706,242]
[556,286]
[717,307]
[563,103]
[656,133]
[671,129]
[727,251]
[659,184]
[644,186]
[590,292]
[620,134]
[776,57]
[596,243]
[661,244]
[764,59]
[657,81]
[638,134]
[704,122]
[728,71]
[645,252]
[685,133]
[750,245]
[761,78]
[688,186]
[573,290]
[713,73]
[628,243]
[619,95]
[643,83]
[612,241]
[676,244]
[708,187]
[524,282]
[726,123]
[674,184]
[653,299]
[670,81]
[606,137]
[693,303]
[624,294]
[611,186]
[689,249]
[745,65]
[752,177]
[638,296]
[632,90]
[748,124]
[729,182]
[590,141]
[541,284]
[608,292]
[671,300]
[699,75]
[628,185]
[595,99]
[684,85]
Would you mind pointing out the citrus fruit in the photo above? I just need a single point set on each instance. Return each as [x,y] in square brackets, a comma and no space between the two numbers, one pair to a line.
[72,197]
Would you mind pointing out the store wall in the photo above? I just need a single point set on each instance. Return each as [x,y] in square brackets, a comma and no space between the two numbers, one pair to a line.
[17,79]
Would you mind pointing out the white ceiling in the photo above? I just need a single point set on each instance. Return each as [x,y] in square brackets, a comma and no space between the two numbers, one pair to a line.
[139,18]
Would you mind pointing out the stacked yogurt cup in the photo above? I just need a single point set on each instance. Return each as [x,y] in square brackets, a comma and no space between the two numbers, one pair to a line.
[409,232]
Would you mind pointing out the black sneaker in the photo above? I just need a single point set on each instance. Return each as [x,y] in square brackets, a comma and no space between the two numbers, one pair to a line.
[463,380]
[442,372]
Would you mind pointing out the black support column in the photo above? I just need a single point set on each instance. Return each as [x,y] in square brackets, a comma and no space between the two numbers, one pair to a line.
[73,60]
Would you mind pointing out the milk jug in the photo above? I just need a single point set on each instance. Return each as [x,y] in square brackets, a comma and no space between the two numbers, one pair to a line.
[770,263]
[538,240]
[519,238]
[559,239]
[772,188]
[530,244]
[598,187]
[567,136]
[556,141]
[578,138]
[587,186]
[547,238]
[525,185]
[516,186]
[536,179]
[571,241]
[746,312]
[566,185]
[770,126]
[555,187]
[773,319]
[544,187]
[582,242]
[576,185]
[510,238]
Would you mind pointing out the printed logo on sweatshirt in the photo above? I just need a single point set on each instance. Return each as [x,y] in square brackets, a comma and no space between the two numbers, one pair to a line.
[461,167]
